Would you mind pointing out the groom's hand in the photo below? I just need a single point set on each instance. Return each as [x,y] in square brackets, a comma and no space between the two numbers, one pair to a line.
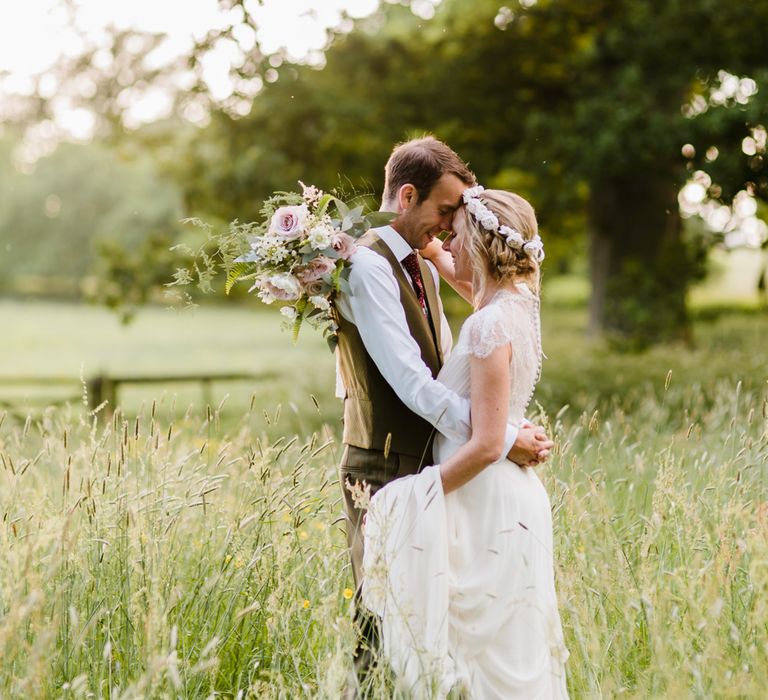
[531,447]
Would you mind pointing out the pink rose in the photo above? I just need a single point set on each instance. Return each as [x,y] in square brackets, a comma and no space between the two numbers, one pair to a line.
[289,222]
[317,288]
[316,268]
[343,244]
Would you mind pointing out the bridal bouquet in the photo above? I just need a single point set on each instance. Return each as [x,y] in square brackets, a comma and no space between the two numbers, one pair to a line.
[298,255]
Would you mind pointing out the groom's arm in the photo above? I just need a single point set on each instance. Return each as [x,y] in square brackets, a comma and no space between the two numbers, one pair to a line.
[374,307]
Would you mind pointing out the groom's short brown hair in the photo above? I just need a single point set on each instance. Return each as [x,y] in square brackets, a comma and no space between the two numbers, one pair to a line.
[422,162]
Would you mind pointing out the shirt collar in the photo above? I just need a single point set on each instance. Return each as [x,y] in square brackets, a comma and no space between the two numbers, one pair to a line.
[396,243]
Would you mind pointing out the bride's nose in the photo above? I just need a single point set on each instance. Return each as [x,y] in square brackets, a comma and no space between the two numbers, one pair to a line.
[447,242]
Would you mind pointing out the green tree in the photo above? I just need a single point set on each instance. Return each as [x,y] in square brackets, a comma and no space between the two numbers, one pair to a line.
[51,219]
[607,92]
[597,110]
[584,106]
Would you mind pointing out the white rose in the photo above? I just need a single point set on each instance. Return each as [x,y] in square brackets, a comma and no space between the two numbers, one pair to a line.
[472,193]
[474,206]
[320,237]
[320,302]
[513,237]
[289,222]
[534,249]
[489,221]
[282,287]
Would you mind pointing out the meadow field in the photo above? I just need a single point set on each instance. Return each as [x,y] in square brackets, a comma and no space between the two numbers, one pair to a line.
[180,549]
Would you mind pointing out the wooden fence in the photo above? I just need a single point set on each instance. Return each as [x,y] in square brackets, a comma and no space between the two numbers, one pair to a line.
[103,390]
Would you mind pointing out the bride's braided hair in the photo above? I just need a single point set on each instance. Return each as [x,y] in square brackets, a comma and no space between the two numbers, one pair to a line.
[490,252]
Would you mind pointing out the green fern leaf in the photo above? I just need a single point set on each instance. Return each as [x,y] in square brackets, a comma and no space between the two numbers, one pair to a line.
[237,271]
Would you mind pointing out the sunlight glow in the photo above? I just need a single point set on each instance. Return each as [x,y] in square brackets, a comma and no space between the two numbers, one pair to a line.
[35,34]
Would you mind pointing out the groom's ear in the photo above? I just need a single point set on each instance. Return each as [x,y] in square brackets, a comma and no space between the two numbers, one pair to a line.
[407,196]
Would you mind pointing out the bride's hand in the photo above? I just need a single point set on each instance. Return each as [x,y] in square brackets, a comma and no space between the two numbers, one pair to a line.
[443,261]
[434,249]
[532,446]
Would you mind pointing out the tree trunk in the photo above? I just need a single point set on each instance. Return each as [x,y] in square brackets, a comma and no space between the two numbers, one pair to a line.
[639,264]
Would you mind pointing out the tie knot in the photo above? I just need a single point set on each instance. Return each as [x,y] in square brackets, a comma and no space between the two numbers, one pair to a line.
[411,263]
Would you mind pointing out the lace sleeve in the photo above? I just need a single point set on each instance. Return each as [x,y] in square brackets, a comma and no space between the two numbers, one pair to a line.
[488,329]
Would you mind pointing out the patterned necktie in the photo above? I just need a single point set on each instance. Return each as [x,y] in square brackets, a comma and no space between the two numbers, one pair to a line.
[411,264]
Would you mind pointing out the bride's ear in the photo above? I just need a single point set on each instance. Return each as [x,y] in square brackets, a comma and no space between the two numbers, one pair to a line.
[406,196]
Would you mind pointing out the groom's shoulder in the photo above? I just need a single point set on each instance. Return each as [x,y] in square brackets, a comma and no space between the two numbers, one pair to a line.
[367,260]
[370,239]
[369,250]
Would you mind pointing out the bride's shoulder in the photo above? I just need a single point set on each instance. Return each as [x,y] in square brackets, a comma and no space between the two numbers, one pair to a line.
[486,329]
[499,322]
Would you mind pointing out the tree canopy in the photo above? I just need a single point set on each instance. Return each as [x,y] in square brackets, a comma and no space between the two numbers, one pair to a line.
[598,111]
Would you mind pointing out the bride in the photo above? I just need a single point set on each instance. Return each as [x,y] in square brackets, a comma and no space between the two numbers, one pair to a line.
[458,559]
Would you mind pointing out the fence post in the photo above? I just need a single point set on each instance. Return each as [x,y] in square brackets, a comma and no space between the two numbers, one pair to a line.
[100,389]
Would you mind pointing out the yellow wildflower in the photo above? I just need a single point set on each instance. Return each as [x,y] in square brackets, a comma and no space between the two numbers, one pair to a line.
[348,593]
[305,604]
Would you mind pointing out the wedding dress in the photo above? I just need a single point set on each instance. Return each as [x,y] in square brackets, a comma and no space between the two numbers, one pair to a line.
[464,582]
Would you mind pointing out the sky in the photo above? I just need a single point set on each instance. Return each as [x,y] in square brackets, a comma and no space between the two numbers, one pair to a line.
[34,34]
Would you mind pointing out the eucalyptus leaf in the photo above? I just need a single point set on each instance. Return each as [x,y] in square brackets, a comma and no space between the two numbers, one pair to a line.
[323,203]
[376,219]
[301,307]
[358,229]
[247,257]
[343,286]
[341,208]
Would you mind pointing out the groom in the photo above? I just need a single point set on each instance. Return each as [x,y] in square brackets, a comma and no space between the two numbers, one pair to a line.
[393,338]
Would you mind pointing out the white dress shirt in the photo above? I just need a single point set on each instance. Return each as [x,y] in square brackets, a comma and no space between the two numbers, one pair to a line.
[374,307]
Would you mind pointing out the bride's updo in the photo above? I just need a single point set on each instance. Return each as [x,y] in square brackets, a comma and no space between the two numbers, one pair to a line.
[508,251]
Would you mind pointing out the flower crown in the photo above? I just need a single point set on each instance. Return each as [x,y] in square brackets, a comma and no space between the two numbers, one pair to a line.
[533,248]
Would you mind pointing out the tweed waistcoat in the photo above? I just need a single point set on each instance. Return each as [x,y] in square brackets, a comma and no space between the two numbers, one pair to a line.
[374,417]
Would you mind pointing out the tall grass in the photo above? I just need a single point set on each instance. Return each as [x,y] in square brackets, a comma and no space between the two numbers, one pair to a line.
[662,549]
[159,554]
[144,558]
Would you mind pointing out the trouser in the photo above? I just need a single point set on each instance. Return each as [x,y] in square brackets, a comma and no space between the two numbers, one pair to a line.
[374,469]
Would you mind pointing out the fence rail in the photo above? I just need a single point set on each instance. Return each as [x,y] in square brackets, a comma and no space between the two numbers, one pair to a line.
[103,389]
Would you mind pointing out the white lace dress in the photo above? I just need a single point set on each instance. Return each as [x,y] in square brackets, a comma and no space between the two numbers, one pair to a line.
[464,582]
